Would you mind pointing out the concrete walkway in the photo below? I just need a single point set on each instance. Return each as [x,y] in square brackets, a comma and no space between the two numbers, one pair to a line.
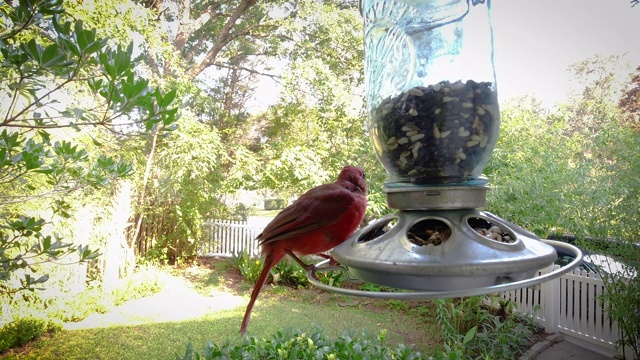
[166,306]
[558,347]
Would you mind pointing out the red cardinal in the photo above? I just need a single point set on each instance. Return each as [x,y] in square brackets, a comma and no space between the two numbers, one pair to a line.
[319,220]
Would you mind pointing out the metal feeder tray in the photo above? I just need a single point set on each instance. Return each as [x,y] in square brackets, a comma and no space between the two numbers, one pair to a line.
[465,264]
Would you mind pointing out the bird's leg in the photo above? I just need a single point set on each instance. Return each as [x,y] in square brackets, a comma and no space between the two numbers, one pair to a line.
[307,267]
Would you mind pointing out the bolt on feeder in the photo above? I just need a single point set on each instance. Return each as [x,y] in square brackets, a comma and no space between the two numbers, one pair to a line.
[434,119]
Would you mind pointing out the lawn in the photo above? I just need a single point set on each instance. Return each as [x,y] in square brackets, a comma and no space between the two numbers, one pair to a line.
[260,212]
[142,333]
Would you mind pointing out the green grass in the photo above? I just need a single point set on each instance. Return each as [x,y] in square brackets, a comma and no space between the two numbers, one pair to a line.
[278,308]
[263,213]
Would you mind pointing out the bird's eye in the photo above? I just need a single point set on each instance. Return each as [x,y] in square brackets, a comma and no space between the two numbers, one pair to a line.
[364,176]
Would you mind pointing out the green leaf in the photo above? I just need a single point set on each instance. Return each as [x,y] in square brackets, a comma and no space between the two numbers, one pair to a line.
[51,7]
[140,87]
[62,29]
[469,335]
[45,171]
[34,50]
[169,117]
[123,169]
[159,98]
[79,34]
[31,161]
[105,161]
[94,46]
[95,142]
[95,84]
[50,53]
[46,138]
[149,124]
[41,279]
[67,63]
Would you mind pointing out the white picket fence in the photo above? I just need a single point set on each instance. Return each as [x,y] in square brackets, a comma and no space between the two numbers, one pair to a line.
[568,304]
[227,238]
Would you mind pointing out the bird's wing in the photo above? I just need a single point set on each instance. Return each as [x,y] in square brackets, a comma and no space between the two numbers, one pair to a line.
[315,209]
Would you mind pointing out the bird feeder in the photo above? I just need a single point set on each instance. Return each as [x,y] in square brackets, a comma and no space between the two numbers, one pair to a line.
[434,118]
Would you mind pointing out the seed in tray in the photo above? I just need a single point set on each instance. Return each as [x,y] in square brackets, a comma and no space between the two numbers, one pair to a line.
[429,232]
[490,230]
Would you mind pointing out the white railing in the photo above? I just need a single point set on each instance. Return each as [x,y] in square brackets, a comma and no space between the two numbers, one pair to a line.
[227,238]
[569,305]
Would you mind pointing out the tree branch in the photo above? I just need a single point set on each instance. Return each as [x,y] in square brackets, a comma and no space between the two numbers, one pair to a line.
[249,70]
[224,37]
[23,198]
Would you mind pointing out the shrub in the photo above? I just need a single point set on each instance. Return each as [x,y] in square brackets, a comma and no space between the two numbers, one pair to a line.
[286,272]
[249,268]
[297,345]
[471,331]
[20,332]
[332,278]
[78,307]
[275,204]
[144,282]
[290,273]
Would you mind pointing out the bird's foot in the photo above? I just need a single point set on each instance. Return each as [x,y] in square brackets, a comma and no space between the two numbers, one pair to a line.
[307,267]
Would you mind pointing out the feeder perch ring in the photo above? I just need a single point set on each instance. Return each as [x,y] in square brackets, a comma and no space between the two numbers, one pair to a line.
[428,294]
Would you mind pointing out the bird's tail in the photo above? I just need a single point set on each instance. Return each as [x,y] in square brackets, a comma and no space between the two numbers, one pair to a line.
[270,261]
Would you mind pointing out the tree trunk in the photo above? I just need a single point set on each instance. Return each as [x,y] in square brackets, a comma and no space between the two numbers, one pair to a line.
[142,197]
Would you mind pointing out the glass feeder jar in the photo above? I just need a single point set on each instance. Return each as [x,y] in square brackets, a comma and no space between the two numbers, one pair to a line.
[430,89]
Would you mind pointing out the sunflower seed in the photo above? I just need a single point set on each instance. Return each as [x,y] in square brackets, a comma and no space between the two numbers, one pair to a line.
[416,92]
[484,140]
[415,148]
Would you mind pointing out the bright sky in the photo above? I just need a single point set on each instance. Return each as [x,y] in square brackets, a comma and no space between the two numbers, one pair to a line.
[536,40]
